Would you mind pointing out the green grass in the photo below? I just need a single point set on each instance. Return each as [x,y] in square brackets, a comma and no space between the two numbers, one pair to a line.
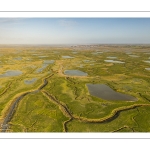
[140,123]
[36,113]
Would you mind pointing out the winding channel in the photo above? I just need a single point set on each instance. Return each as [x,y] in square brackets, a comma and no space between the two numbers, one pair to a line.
[113,115]
[7,119]
[64,109]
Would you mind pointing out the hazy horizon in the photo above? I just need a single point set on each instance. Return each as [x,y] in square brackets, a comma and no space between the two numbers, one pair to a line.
[74,31]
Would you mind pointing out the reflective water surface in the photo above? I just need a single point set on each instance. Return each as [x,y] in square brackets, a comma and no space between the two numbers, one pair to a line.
[105,92]
[11,73]
[75,73]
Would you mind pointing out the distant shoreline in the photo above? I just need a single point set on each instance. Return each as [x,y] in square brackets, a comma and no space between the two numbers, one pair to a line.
[69,45]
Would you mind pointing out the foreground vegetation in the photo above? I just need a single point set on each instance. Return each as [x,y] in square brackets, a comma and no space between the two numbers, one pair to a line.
[62,103]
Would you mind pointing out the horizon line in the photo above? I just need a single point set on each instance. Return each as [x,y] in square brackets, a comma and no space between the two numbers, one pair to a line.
[87,44]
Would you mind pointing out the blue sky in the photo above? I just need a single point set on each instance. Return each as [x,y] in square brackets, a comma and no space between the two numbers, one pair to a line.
[74,30]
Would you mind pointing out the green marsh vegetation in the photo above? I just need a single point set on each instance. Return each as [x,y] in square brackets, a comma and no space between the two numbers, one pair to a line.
[63,103]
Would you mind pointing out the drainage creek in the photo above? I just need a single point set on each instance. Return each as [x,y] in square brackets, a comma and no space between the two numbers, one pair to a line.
[8,117]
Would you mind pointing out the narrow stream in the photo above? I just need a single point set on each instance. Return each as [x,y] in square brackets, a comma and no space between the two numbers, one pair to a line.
[13,107]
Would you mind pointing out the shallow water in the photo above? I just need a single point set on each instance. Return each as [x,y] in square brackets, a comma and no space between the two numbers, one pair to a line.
[95,53]
[67,57]
[86,60]
[42,56]
[18,58]
[42,68]
[11,73]
[49,61]
[74,52]
[114,61]
[75,73]
[35,54]
[111,57]
[134,56]
[147,68]
[30,81]
[105,92]
[148,61]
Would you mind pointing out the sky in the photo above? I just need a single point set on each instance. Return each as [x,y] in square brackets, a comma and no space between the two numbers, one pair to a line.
[74,30]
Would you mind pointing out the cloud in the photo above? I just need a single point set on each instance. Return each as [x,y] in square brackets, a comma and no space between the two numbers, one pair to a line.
[67,23]
[9,20]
